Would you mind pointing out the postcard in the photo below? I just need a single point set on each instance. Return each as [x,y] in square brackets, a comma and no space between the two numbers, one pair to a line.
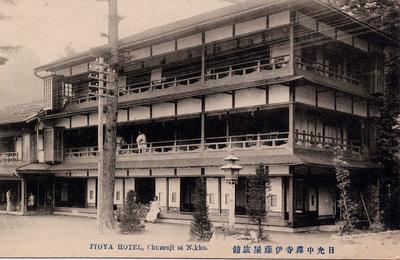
[199,129]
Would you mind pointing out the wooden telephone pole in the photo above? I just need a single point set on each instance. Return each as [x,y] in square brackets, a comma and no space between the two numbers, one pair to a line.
[107,74]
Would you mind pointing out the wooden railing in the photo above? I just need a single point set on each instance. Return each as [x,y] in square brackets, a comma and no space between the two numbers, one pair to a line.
[328,143]
[328,71]
[245,68]
[141,87]
[213,73]
[240,142]
[81,99]
[9,157]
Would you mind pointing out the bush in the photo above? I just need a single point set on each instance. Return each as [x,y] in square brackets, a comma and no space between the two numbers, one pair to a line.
[131,215]
[200,228]
[257,206]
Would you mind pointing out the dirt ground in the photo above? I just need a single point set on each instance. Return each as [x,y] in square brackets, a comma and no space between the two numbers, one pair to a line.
[49,236]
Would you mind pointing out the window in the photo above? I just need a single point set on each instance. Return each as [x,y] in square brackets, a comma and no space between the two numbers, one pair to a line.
[173,197]
[67,90]
[299,198]
[91,195]
[211,198]
[273,199]
[117,195]
[226,198]
[48,95]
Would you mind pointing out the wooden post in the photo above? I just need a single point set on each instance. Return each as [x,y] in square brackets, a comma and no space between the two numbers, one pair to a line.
[23,196]
[203,64]
[291,49]
[100,139]
[292,140]
[290,197]
[203,123]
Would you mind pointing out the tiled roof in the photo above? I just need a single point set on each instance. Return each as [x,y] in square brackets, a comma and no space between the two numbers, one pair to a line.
[19,113]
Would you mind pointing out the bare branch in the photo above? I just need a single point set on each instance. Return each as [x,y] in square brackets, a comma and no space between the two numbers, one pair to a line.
[3,60]
[4,17]
[9,48]
[9,2]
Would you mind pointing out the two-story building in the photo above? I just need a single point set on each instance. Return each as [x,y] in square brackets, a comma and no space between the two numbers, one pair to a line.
[278,82]
[17,148]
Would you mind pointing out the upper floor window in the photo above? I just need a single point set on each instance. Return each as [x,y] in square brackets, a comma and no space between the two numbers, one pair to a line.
[67,92]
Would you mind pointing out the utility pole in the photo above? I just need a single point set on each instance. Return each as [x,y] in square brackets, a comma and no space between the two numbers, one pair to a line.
[106,220]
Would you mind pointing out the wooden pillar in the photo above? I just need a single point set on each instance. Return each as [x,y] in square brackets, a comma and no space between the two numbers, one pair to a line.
[291,49]
[23,196]
[203,123]
[283,196]
[290,197]
[227,126]
[291,119]
[219,196]
[203,64]
[167,193]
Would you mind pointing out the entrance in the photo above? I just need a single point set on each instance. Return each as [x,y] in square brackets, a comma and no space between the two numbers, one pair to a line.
[241,196]
[188,186]
[70,193]
[41,187]
[15,194]
[145,189]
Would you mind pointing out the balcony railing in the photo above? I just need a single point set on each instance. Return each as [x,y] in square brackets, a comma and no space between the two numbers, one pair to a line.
[9,157]
[245,68]
[328,71]
[319,142]
[215,73]
[240,142]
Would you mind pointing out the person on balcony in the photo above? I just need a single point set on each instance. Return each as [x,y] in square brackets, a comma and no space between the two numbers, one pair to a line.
[141,142]
[120,143]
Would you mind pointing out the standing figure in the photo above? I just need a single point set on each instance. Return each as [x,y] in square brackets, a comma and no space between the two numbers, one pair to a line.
[153,211]
[120,143]
[141,142]
[31,201]
[9,200]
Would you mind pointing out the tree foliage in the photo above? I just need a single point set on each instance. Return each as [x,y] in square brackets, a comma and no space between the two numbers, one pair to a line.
[347,207]
[258,206]
[385,15]
[6,48]
[131,217]
[200,228]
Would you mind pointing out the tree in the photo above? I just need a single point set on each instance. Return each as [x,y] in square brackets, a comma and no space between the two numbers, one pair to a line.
[200,228]
[6,48]
[347,207]
[257,206]
[106,218]
[385,15]
[130,219]
[375,209]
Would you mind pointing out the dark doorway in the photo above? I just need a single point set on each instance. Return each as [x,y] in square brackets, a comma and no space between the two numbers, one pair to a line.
[41,187]
[145,189]
[70,193]
[188,186]
[241,197]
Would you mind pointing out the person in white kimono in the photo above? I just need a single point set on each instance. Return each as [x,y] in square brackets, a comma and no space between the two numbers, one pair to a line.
[153,211]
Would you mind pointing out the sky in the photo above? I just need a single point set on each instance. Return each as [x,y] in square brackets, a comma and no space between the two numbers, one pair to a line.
[49,29]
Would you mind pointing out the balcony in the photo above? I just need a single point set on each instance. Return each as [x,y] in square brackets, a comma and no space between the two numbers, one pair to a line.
[330,75]
[10,157]
[264,141]
[323,143]
[212,74]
